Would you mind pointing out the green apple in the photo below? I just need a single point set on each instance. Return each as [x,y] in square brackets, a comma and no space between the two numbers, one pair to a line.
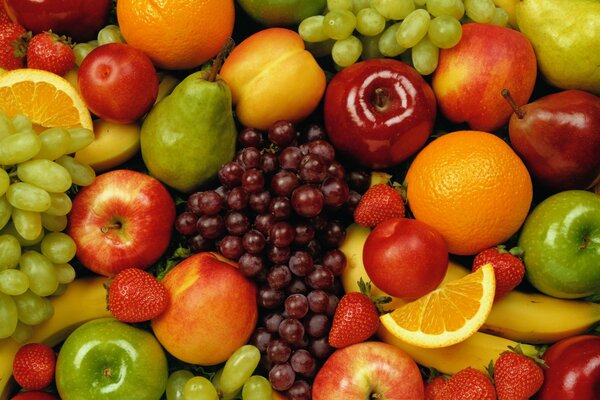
[110,360]
[282,12]
[561,243]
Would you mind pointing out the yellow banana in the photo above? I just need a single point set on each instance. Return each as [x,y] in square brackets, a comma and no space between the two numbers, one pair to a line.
[166,84]
[83,300]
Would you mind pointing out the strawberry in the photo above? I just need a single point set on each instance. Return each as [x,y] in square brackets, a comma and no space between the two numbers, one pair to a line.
[517,376]
[508,267]
[468,384]
[12,45]
[379,203]
[135,295]
[50,52]
[34,365]
[434,386]
[4,18]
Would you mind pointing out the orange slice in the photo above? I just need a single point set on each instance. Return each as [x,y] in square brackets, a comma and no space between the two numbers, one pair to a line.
[447,315]
[47,99]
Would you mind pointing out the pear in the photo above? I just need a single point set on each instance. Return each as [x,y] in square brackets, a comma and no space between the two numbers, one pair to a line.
[188,135]
[565,35]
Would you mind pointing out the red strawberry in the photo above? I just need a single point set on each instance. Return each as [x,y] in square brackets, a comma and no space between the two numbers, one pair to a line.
[434,386]
[135,295]
[379,203]
[4,18]
[50,52]
[508,268]
[34,365]
[12,45]
[517,376]
[468,384]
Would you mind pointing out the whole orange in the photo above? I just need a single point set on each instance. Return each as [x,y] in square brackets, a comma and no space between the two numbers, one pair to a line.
[176,34]
[472,188]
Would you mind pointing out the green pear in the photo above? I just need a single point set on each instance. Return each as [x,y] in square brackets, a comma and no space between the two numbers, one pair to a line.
[565,35]
[188,135]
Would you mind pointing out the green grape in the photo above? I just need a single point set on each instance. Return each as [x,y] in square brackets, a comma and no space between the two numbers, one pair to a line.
[388,45]
[454,8]
[65,273]
[45,174]
[500,17]
[22,123]
[311,29]
[370,47]
[5,211]
[10,229]
[22,333]
[28,197]
[58,247]
[80,138]
[10,252]
[358,5]
[4,181]
[176,382]
[60,289]
[13,282]
[421,3]
[339,5]
[81,174]
[393,9]
[27,223]
[199,388]
[481,11]
[93,42]
[8,316]
[41,272]
[55,143]
[413,28]
[110,34]
[81,50]
[216,381]
[54,223]
[257,387]
[347,51]
[445,31]
[60,204]
[19,147]
[339,24]
[320,49]
[6,126]
[369,22]
[238,368]
[33,309]
[425,56]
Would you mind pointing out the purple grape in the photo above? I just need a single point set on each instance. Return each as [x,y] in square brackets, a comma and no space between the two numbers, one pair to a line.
[249,157]
[284,182]
[335,191]
[313,248]
[270,298]
[199,243]
[315,132]
[336,170]
[185,223]
[289,158]
[280,207]
[296,305]
[297,286]
[259,201]
[250,264]
[318,301]
[261,339]
[253,241]
[291,330]
[278,255]
[237,199]
[307,201]
[282,376]
[353,200]
[302,362]
[282,133]
[253,180]
[231,247]
[279,276]
[335,260]
[272,322]
[304,233]
[263,223]
[332,306]
[281,234]
[230,174]
[278,351]
[333,235]
[322,148]
[301,263]
[321,278]
[300,390]
[250,137]
[313,168]
[268,163]
[359,180]
[237,223]
[211,226]
[317,325]
[320,347]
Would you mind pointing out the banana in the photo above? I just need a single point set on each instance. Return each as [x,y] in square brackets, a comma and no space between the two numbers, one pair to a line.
[167,83]
[83,300]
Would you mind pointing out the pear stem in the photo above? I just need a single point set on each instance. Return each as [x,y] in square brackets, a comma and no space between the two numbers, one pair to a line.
[219,59]
[518,110]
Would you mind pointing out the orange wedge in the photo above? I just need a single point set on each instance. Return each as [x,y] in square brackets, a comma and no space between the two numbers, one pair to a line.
[46,98]
[447,315]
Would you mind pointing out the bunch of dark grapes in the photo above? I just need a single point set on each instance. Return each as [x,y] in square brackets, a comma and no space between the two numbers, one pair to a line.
[281,212]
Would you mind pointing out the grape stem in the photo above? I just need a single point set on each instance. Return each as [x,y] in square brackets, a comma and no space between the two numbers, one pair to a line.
[219,59]
[518,110]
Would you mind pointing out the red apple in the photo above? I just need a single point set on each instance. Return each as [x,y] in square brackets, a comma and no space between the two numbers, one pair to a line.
[123,219]
[573,371]
[34,395]
[212,310]
[471,75]
[405,258]
[118,82]
[80,19]
[558,138]
[379,112]
[368,370]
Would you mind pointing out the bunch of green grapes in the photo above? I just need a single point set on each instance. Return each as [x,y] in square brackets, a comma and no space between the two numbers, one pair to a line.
[108,34]
[415,30]
[35,172]
[236,378]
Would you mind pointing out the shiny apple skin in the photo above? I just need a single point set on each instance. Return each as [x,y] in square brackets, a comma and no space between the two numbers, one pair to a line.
[80,19]
[379,137]
[573,371]
[559,139]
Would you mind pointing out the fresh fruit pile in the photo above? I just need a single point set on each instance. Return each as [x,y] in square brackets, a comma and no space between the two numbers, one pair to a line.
[285,199]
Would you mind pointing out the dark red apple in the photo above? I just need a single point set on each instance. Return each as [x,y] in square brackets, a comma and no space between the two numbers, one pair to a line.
[405,258]
[118,82]
[558,138]
[573,371]
[379,112]
[80,19]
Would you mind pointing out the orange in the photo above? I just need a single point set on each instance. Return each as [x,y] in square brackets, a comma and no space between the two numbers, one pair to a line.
[472,188]
[447,315]
[176,34]
[46,98]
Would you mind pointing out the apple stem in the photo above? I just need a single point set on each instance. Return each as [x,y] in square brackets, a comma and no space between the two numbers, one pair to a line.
[585,244]
[518,110]
[381,98]
[219,59]
[106,228]
[107,372]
